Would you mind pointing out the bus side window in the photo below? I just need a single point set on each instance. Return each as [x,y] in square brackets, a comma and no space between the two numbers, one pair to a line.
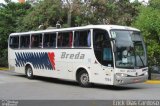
[49,40]
[82,38]
[14,42]
[65,39]
[25,41]
[70,39]
[59,40]
[89,39]
[36,41]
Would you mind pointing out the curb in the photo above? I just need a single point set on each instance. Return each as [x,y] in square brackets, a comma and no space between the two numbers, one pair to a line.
[4,69]
[153,82]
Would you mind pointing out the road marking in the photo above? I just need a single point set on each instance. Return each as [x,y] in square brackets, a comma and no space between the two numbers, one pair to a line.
[153,82]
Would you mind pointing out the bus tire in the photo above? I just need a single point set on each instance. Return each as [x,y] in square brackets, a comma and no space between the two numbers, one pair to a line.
[29,72]
[83,79]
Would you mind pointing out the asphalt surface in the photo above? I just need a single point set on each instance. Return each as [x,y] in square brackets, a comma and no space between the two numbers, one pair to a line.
[15,86]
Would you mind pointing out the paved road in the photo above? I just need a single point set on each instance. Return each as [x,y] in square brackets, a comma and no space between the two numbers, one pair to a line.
[16,87]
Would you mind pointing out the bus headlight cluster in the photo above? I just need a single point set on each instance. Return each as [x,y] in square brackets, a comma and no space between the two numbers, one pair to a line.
[146,73]
[121,74]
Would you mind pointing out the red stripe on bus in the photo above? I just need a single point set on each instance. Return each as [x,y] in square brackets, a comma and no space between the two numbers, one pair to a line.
[52,59]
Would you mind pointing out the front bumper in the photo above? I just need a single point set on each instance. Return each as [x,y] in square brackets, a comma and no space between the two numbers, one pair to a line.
[129,80]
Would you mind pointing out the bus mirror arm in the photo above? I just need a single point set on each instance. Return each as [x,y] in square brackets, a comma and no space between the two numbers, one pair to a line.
[114,47]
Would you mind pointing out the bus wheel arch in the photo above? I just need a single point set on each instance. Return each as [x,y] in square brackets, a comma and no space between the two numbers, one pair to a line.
[82,76]
[29,71]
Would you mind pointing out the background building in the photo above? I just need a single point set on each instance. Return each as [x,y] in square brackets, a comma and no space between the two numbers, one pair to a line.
[21,1]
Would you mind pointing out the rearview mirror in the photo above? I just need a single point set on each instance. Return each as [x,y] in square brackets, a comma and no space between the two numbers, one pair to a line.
[113,35]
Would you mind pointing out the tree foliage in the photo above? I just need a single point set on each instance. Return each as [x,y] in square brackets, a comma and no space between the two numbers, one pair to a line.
[46,14]
[10,15]
[78,13]
[105,12]
[148,21]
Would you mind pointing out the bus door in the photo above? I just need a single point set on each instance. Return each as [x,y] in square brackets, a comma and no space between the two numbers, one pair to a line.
[103,65]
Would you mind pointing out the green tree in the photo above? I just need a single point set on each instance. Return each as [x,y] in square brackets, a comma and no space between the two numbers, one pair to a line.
[72,8]
[126,12]
[45,14]
[10,15]
[79,12]
[107,12]
[148,21]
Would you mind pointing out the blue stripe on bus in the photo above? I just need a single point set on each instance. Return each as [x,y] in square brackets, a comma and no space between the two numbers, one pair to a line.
[39,60]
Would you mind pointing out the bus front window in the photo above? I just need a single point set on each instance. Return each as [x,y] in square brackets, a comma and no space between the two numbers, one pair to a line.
[140,52]
[130,52]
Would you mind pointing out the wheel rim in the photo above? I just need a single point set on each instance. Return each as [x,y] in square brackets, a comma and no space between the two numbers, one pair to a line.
[29,72]
[84,78]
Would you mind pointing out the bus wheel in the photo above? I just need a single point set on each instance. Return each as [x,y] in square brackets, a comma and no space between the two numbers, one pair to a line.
[83,79]
[29,72]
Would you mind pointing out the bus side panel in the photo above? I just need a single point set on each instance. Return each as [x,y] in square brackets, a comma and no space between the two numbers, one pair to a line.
[100,74]
[67,61]
[61,63]
[11,59]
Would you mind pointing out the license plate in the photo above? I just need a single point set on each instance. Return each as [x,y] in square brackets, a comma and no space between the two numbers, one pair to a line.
[136,80]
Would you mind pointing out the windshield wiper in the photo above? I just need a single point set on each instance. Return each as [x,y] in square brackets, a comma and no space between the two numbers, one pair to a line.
[141,60]
[138,55]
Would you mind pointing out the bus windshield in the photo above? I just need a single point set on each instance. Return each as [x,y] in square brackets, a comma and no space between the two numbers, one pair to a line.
[130,50]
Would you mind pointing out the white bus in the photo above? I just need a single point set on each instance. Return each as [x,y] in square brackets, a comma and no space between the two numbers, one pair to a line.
[102,54]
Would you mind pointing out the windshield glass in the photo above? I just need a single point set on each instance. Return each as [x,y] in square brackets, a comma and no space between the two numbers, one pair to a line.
[130,51]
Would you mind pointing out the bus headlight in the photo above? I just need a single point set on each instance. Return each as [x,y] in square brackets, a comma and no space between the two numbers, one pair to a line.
[121,75]
[146,73]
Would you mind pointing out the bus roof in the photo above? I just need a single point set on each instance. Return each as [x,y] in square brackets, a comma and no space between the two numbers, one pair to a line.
[107,27]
